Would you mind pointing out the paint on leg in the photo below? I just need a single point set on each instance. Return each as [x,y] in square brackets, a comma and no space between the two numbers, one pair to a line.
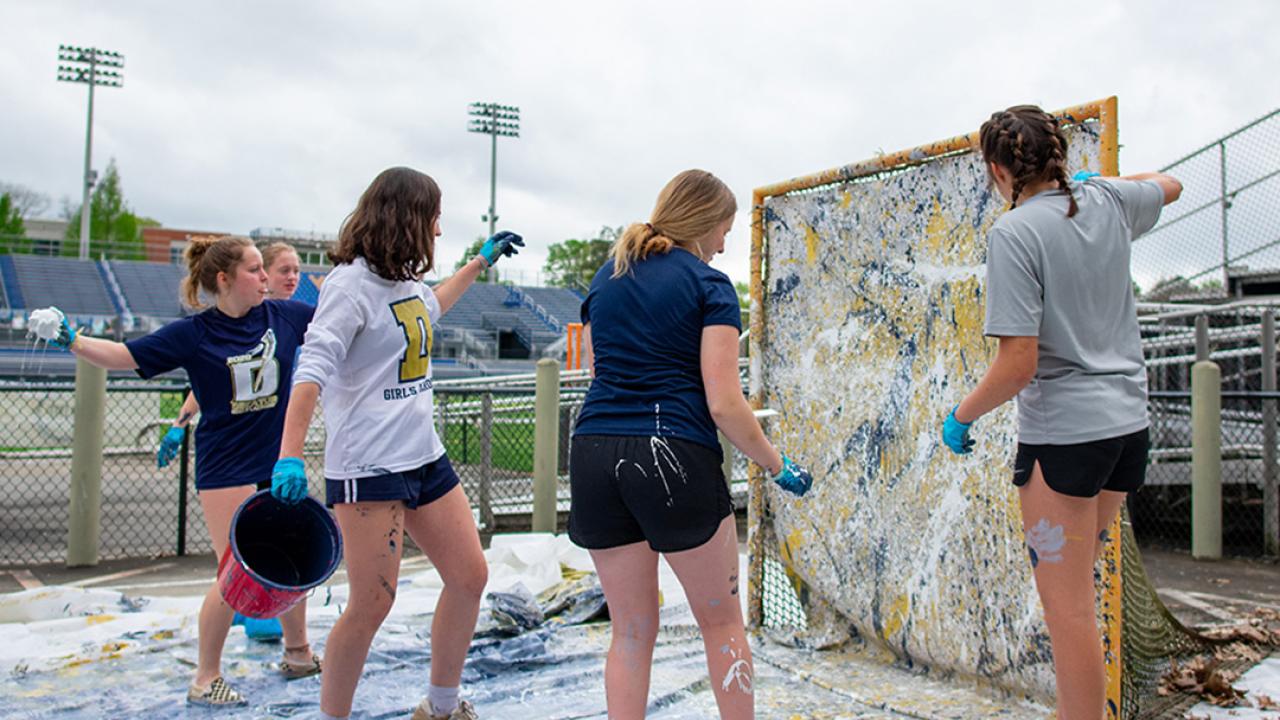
[1045,543]
[738,677]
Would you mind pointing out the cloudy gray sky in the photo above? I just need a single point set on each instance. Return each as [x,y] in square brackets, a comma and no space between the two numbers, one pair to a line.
[236,115]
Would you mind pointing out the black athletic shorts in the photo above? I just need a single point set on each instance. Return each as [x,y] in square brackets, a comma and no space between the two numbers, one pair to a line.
[1083,470]
[666,491]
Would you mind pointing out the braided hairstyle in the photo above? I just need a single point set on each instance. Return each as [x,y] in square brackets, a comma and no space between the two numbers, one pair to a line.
[1030,143]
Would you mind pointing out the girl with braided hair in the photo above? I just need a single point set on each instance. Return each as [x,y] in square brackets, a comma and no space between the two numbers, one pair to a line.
[1060,302]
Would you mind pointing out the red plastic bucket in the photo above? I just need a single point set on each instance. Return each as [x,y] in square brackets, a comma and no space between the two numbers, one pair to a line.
[278,552]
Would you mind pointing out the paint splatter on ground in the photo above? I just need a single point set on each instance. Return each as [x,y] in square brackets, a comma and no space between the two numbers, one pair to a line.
[95,654]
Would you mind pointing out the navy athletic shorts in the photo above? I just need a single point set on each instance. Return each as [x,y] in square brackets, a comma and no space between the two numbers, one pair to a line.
[420,486]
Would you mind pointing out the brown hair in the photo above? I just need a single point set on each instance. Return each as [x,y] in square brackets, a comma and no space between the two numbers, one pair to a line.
[392,227]
[1030,143]
[689,207]
[208,255]
[275,250]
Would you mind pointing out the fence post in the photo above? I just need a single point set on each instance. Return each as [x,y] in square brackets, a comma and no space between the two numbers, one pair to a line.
[1270,489]
[486,462]
[184,470]
[546,443]
[1202,338]
[86,465]
[1206,461]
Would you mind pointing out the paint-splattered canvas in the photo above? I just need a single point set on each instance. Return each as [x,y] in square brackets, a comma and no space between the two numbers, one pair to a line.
[873,313]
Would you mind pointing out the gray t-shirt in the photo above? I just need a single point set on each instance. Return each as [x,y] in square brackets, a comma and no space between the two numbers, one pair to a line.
[1066,281]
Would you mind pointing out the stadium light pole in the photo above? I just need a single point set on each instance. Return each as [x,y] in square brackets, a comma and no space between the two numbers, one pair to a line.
[82,66]
[493,120]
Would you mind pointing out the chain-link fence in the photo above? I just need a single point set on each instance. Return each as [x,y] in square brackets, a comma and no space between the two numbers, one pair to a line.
[1161,510]
[140,502]
[487,429]
[1223,236]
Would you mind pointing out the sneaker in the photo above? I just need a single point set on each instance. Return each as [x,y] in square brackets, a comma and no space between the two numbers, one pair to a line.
[464,711]
[268,630]
[295,670]
[218,694]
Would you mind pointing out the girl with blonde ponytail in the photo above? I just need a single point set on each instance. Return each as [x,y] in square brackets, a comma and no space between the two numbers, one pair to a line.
[661,330]
[239,355]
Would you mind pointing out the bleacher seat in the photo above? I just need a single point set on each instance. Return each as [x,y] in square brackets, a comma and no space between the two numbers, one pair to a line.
[561,304]
[73,285]
[150,288]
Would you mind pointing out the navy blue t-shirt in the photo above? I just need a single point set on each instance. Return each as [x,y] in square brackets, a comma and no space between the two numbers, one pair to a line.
[646,333]
[242,396]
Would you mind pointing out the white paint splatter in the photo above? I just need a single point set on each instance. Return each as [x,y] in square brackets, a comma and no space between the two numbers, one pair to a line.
[662,451]
[1046,542]
[739,671]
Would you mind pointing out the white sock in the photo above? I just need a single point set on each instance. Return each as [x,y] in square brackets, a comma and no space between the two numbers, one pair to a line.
[443,700]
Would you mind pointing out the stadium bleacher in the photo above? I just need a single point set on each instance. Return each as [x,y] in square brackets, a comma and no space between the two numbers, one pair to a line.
[485,318]
[149,288]
[564,305]
[76,286]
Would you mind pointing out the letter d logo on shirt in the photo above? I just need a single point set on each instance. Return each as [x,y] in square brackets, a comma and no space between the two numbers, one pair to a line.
[255,377]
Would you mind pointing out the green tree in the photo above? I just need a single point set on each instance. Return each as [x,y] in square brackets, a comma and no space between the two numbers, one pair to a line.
[114,229]
[13,233]
[573,263]
[470,253]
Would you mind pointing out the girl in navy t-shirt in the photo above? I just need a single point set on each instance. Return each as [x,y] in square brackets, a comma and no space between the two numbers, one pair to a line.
[661,329]
[239,357]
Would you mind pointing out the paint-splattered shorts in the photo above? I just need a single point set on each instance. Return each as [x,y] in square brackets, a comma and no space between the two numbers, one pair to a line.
[1083,470]
[416,487]
[666,491]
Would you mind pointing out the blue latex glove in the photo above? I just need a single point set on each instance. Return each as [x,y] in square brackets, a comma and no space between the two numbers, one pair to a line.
[956,434]
[503,243]
[793,478]
[66,334]
[170,444]
[1083,175]
[289,480]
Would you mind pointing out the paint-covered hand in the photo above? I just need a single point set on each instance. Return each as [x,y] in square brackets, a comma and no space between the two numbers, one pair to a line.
[50,324]
[1083,175]
[956,434]
[169,445]
[289,480]
[793,478]
[503,243]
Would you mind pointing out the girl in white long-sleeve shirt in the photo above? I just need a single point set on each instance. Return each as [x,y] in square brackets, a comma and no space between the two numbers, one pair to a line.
[368,351]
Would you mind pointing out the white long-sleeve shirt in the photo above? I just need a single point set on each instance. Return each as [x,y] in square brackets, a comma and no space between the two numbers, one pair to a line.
[369,350]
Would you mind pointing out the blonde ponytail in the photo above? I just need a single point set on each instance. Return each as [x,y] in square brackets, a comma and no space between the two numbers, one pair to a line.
[688,208]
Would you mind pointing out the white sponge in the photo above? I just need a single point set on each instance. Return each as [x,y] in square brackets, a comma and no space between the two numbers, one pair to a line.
[45,323]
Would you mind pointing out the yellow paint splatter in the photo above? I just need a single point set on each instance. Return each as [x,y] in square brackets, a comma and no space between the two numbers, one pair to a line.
[99,619]
[896,615]
[846,199]
[811,241]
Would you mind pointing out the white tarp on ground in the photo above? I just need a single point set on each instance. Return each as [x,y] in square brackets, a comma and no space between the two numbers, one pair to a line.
[75,653]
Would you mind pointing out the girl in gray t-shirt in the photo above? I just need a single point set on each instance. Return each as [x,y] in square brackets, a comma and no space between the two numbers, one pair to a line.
[1060,302]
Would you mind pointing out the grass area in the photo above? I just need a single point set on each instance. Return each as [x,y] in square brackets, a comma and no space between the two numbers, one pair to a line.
[170,404]
[512,443]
